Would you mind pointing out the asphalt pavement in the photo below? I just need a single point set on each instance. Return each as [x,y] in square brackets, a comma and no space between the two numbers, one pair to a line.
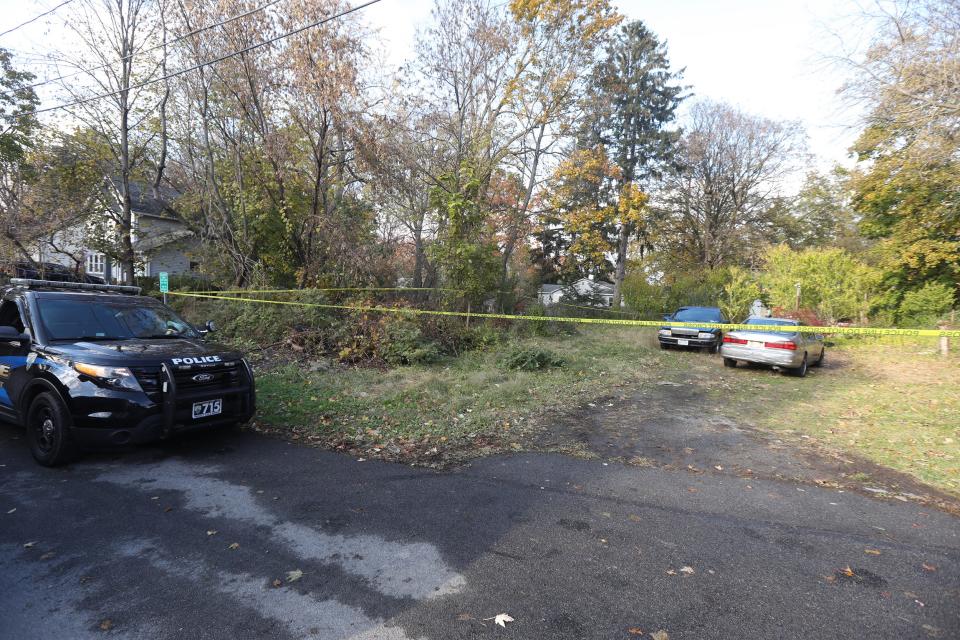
[241,536]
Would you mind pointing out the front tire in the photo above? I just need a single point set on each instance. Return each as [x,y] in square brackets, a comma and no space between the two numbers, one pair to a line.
[48,431]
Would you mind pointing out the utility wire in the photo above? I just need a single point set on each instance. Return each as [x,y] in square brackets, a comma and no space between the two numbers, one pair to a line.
[206,63]
[155,47]
[35,18]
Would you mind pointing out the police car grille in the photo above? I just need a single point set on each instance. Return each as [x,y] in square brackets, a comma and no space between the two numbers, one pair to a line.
[212,378]
[219,377]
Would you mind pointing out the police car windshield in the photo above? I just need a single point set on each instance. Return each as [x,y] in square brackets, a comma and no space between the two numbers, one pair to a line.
[87,319]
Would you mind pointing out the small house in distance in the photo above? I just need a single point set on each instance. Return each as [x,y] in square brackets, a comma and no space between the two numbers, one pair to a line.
[161,239]
[583,290]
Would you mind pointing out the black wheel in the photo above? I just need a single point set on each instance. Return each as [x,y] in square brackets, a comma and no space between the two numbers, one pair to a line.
[800,371]
[664,346]
[819,361]
[729,362]
[48,431]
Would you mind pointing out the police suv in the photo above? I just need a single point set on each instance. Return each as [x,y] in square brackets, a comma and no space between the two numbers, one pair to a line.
[96,365]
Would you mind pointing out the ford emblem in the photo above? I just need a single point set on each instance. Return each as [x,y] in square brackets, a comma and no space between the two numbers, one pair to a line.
[203,377]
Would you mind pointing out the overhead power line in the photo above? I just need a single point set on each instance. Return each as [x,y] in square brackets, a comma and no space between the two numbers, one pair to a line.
[207,63]
[35,18]
[155,47]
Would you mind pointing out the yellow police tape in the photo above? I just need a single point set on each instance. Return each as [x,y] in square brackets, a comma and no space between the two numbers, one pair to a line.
[608,321]
[242,291]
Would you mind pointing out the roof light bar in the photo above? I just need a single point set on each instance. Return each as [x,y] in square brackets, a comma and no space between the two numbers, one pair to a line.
[82,286]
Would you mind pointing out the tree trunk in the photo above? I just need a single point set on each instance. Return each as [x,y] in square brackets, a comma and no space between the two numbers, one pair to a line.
[621,272]
[126,212]
[420,258]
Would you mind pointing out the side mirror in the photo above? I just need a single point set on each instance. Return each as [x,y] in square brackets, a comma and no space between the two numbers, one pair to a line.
[9,334]
[210,326]
[667,316]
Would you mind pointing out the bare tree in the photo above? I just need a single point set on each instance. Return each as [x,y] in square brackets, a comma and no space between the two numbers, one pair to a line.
[909,74]
[114,34]
[714,208]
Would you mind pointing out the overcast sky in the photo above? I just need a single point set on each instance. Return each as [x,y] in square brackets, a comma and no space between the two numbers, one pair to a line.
[765,56]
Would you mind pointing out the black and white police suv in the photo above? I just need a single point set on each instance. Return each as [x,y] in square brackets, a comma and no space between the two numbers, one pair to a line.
[90,365]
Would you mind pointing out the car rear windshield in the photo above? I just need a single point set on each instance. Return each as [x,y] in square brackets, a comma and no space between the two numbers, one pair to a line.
[109,320]
[697,315]
[780,322]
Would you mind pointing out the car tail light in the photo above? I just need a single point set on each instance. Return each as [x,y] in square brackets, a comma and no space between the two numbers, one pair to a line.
[791,346]
[730,340]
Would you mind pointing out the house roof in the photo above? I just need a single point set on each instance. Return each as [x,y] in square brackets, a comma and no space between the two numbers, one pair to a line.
[143,201]
[551,288]
[597,285]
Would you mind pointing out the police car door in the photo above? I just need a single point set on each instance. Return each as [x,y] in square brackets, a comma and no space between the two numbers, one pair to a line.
[13,355]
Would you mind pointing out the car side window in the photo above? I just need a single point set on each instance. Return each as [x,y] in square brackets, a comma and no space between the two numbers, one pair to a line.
[10,315]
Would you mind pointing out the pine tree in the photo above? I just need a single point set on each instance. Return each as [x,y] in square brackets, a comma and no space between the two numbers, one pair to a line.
[634,100]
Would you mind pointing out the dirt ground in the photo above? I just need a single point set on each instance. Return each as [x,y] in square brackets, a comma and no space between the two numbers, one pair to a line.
[678,424]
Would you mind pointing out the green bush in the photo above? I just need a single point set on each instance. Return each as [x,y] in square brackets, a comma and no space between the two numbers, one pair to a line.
[532,359]
[927,305]
[402,342]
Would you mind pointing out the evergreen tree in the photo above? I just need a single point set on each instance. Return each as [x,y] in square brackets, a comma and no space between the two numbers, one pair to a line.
[634,99]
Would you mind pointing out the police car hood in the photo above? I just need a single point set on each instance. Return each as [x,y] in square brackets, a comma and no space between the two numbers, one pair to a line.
[144,351]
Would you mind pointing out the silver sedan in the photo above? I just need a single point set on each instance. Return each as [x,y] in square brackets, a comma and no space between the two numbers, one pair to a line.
[792,352]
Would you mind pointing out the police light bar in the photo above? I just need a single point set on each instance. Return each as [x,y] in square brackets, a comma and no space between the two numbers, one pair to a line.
[82,286]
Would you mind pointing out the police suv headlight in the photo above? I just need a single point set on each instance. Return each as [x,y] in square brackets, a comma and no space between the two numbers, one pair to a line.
[664,332]
[118,377]
[705,335]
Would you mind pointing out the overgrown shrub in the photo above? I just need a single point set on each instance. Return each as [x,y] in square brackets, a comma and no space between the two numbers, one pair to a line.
[532,359]
[402,342]
[927,305]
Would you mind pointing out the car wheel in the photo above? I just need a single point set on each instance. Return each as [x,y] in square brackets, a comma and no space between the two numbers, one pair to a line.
[729,362]
[801,371]
[819,361]
[664,346]
[48,431]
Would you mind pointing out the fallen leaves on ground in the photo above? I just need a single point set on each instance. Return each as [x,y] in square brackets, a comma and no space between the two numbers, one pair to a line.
[872,552]
[847,571]
[687,570]
[501,619]
[29,545]
[635,631]
[293,576]
[660,635]
[464,617]
[929,567]
[212,532]
[277,582]
[235,545]
[106,625]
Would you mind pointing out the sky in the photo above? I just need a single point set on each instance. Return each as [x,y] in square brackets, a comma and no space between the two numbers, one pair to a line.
[767,57]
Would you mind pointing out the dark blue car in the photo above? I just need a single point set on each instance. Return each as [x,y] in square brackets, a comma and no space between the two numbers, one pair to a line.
[699,337]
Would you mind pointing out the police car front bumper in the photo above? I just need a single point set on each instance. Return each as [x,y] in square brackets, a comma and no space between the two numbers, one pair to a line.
[136,419]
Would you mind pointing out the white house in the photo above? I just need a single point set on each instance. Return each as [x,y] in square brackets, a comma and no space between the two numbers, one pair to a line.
[551,294]
[161,240]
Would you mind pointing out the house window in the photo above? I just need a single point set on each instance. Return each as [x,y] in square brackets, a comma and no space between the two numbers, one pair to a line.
[95,263]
